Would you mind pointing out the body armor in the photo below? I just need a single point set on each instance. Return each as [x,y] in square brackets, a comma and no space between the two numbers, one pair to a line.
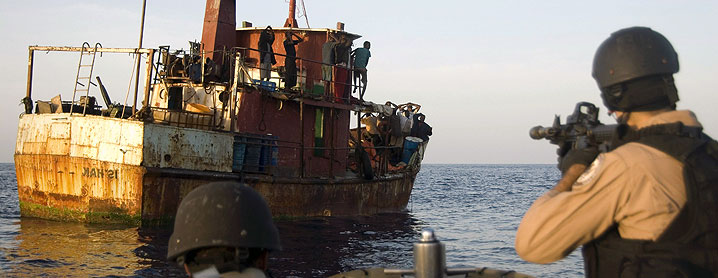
[689,245]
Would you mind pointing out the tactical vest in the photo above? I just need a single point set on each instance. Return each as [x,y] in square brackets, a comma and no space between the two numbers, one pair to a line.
[689,245]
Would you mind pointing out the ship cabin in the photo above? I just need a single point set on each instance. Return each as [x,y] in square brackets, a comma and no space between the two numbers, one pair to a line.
[298,131]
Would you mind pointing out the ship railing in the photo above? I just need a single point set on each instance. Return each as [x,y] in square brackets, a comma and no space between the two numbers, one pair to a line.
[86,104]
[310,80]
[181,118]
[384,159]
[260,154]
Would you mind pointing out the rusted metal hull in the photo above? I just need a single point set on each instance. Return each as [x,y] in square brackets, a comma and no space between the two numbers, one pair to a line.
[163,189]
[332,198]
[99,169]
[78,189]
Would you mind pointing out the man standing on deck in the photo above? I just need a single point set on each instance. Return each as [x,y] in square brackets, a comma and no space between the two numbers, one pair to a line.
[328,49]
[361,59]
[649,206]
[223,229]
[290,62]
[342,78]
[266,53]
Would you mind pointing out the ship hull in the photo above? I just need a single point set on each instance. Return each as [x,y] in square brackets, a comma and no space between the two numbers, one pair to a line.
[68,188]
[78,189]
[107,170]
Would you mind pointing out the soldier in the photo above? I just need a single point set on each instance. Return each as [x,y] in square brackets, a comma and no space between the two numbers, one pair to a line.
[649,206]
[223,229]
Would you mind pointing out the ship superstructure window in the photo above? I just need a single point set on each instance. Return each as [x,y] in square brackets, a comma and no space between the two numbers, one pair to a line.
[174,98]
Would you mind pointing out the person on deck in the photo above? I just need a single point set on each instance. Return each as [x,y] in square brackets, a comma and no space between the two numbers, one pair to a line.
[361,59]
[290,62]
[328,58]
[342,51]
[266,53]
[649,206]
[341,72]
[223,229]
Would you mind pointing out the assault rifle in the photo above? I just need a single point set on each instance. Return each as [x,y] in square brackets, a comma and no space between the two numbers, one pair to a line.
[582,129]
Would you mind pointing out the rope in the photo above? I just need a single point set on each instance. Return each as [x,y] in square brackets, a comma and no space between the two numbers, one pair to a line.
[304,8]
[129,86]
[304,13]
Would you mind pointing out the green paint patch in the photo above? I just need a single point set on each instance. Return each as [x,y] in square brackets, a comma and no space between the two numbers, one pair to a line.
[117,216]
[113,217]
[165,221]
[69,215]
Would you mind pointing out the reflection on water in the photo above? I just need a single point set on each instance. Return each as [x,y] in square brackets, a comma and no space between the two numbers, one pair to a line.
[60,249]
[325,246]
[313,247]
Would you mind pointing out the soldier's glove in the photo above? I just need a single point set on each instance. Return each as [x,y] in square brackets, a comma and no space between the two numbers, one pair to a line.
[568,157]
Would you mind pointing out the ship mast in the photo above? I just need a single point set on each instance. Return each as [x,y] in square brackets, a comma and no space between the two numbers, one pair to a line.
[220,28]
[137,75]
[291,21]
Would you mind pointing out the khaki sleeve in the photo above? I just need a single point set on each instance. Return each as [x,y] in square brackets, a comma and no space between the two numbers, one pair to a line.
[559,222]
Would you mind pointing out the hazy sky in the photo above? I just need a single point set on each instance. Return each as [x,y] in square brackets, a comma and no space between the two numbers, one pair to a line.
[484,71]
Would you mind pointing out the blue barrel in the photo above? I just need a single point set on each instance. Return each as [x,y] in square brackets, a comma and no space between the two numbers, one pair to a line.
[238,150]
[274,151]
[269,153]
[410,146]
[253,155]
[263,155]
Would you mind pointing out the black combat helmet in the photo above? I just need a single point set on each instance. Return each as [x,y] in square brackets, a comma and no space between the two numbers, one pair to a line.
[226,214]
[634,68]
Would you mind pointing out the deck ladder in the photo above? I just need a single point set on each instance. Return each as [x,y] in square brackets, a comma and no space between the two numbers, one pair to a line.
[84,74]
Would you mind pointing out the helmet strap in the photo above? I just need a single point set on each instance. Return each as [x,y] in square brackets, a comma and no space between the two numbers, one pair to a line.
[643,94]
[670,90]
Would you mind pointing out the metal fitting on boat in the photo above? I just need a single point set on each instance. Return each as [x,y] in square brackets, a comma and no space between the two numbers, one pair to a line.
[430,262]
[429,256]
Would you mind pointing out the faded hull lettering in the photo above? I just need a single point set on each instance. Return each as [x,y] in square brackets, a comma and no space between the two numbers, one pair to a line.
[99,173]
[70,188]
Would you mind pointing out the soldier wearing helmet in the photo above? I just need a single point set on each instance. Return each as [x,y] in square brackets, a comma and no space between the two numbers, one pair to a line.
[223,229]
[649,206]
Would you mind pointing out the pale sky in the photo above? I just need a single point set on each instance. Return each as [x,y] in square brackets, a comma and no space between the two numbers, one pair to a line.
[484,71]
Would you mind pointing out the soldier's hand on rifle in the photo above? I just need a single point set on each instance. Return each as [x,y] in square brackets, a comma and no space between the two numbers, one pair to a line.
[568,156]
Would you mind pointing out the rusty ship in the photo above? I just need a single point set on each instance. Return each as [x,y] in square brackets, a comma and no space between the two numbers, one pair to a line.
[209,113]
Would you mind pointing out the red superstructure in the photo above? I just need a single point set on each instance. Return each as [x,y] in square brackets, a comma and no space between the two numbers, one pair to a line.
[294,122]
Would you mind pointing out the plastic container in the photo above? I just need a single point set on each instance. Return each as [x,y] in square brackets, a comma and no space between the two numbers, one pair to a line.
[318,89]
[266,85]
[410,146]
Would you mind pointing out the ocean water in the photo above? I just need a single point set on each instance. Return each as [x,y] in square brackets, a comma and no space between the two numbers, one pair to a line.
[473,209]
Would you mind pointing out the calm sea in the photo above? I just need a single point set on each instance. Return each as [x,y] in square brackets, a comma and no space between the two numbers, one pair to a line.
[474,210]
